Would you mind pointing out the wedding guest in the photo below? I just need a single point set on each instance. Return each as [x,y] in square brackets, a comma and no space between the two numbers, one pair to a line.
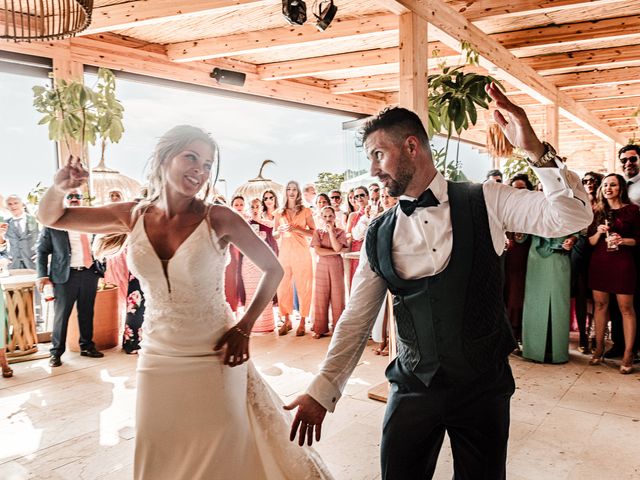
[293,226]
[387,201]
[515,266]
[580,258]
[546,312]
[251,274]
[351,202]
[329,242]
[269,207]
[361,198]
[322,200]
[614,234]
[22,234]
[494,176]
[233,286]
[309,195]
[336,202]
[7,372]
[74,279]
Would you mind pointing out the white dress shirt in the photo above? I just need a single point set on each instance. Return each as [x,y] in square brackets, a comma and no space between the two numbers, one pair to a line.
[77,257]
[634,189]
[422,246]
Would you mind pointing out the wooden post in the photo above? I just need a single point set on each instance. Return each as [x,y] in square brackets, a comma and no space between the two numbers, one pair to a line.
[612,163]
[64,68]
[414,54]
[551,129]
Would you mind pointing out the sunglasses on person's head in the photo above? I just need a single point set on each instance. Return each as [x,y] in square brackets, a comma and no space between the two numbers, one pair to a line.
[360,195]
[632,159]
[270,197]
[588,180]
[71,196]
[335,197]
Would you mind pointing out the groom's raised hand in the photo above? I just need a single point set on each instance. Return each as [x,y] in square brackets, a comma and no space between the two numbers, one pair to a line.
[309,417]
[514,123]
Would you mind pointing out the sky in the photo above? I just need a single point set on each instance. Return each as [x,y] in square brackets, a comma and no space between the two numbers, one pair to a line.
[302,142]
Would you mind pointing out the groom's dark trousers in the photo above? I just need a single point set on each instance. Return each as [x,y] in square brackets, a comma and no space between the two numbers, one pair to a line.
[475,416]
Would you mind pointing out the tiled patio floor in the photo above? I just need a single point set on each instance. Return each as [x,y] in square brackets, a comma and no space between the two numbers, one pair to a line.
[569,421]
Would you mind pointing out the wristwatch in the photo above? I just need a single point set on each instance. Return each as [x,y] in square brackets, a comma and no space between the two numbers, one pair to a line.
[548,155]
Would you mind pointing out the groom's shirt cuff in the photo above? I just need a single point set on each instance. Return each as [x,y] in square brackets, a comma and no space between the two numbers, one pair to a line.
[324,392]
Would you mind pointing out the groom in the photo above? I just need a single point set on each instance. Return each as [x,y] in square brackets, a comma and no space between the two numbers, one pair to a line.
[438,253]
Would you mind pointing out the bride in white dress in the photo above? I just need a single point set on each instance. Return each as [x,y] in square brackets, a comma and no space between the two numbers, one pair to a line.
[196,417]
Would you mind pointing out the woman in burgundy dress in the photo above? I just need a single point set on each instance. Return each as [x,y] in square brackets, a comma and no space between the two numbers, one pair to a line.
[515,266]
[614,234]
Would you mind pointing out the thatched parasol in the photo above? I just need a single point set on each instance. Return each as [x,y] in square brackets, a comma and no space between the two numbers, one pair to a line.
[255,187]
[105,180]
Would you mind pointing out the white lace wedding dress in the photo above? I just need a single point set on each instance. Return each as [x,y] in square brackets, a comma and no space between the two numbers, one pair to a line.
[195,417]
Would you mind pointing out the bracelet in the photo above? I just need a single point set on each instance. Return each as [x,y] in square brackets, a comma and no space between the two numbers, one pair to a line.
[241,332]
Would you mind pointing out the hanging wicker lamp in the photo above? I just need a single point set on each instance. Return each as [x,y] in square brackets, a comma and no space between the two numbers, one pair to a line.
[105,180]
[27,20]
[255,187]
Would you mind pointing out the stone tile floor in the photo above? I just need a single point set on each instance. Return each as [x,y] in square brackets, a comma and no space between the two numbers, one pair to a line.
[76,422]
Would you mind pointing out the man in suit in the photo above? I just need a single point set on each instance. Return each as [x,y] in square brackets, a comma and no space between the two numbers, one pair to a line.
[22,234]
[629,157]
[438,252]
[74,281]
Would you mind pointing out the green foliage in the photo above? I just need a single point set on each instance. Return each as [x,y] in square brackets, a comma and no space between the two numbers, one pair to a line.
[454,98]
[35,194]
[76,112]
[328,181]
[452,171]
[516,164]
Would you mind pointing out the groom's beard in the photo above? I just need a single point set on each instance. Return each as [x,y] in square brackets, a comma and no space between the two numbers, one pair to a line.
[398,185]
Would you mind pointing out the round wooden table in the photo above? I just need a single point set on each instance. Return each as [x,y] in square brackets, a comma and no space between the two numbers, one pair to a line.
[18,290]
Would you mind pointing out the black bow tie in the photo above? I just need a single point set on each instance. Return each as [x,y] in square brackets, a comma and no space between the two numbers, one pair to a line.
[427,199]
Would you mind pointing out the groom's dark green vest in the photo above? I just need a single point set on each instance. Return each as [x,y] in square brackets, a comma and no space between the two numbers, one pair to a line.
[455,320]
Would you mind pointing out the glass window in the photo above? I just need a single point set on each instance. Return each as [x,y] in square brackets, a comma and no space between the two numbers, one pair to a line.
[28,156]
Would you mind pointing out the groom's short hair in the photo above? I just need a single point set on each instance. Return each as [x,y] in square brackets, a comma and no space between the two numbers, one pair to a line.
[398,122]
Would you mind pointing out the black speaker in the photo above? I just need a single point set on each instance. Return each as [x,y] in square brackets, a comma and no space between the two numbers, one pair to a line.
[228,77]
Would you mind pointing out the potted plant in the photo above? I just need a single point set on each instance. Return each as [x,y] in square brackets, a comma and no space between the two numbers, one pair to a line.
[80,115]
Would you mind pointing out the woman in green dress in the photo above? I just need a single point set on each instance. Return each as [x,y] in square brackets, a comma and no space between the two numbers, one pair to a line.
[546,313]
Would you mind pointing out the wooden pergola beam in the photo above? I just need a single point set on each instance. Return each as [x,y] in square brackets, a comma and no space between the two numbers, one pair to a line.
[256,41]
[318,66]
[622,91]
[127,56]
[139,13]
[596,77]
[456,29]
[599,57]
[609,104]
[620,27]
[485,9]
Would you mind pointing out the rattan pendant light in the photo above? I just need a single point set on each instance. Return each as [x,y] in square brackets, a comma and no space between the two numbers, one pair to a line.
[27,20]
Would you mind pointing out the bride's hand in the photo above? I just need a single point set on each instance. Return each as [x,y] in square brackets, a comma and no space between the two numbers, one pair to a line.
[237,346]
[72,175]
[310,415]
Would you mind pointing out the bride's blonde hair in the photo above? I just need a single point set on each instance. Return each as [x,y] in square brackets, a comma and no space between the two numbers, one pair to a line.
[169,145]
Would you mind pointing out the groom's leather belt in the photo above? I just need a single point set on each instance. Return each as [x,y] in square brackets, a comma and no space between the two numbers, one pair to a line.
[78,269]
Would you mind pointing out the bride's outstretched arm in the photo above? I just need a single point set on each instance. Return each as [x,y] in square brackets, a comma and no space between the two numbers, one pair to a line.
[112,218]
[232,229]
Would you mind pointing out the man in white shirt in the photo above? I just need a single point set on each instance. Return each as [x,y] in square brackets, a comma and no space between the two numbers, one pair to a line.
[438,253]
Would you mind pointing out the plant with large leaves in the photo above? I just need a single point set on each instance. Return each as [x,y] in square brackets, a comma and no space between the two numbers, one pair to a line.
[77,113]
[454,99]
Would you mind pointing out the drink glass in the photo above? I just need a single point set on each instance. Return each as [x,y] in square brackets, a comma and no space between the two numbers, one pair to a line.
[611,245]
